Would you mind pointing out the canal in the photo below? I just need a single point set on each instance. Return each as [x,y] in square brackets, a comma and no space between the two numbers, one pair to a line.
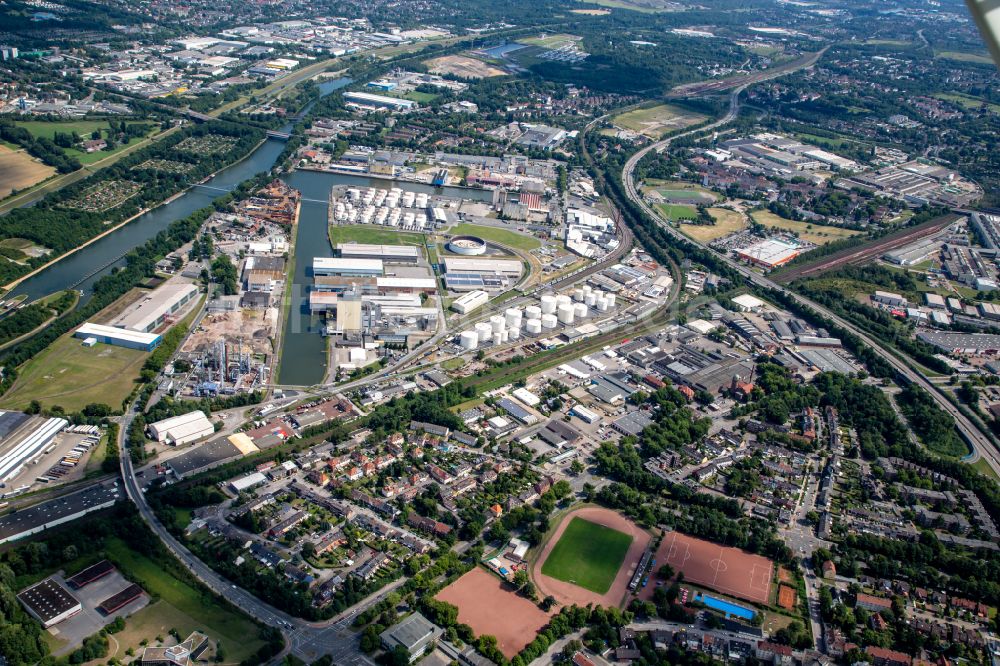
[303,349]
[77,271]
[303,352]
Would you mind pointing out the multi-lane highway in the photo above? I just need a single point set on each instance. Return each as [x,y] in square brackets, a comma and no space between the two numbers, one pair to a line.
[981,446]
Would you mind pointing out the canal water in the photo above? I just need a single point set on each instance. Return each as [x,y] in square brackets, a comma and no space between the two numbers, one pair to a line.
[303,353]
[78,270]
[303,349]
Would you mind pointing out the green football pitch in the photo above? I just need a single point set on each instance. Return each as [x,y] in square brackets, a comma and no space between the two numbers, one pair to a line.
[588,555]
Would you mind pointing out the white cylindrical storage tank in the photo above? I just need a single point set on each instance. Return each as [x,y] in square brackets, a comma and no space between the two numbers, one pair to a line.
[532,312]
[484,331]
[469,340]
[578,295]
[548,304]
[587,289]
[611,300]
[496,323]
[548,321]
[504,335]
[497,338]
[580,311]
[566,313]
[590,299]
[533,326]
[602,304]
[512,316]
[514,333]
[563,299]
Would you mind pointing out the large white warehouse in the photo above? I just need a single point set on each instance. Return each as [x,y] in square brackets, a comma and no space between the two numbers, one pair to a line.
[470,301]
[178,430]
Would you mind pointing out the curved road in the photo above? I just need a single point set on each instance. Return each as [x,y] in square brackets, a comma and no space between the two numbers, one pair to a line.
[981,445]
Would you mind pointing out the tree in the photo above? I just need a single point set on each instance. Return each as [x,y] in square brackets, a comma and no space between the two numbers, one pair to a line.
[521,578]
[400,656]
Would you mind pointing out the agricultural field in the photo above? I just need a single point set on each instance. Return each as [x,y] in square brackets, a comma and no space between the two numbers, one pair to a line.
[497,235]
[19,171]
[366,233]
[968,101]
[463,67]
[656,121]
[807,231]
[210,144]
[588,555]
[166,166]
[104,196]
[73,376]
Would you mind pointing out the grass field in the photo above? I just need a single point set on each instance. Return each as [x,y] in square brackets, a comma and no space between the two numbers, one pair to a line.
[497,235]
[680,191]
[655,121]
[647,7]
[42,128]
[588,555]
[961,56]
[677,211]
[19,170]
[726,222]
[812,233]
[73,376]
[184,605]
[550,41]
[366,233]
[968,101]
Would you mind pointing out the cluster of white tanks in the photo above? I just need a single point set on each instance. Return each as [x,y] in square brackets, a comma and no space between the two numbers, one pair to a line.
[552,310]
[498,330]
[390,208]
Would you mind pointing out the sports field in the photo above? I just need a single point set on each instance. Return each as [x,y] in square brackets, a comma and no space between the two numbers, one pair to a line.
[588,555]
[680,192]
[655,121]
[677,211]
[489,606]
[497,235]
[728,570]
[807,231]
[19,170]
[73,376]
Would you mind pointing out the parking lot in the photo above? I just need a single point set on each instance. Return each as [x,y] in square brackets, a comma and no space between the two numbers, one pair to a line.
[89,620]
